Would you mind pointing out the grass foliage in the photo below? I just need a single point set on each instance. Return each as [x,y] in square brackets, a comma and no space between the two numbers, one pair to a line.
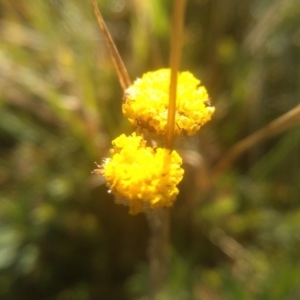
[235,236]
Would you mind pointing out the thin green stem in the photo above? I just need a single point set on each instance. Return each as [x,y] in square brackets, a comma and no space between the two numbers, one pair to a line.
[159,225]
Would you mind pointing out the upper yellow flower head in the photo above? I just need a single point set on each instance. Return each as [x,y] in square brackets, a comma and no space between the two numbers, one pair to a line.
[146,103]
[141,177]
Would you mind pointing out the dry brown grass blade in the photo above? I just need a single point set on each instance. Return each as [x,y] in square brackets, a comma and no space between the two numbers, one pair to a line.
[117,60]
[274,128]
[177,24]
[265,26]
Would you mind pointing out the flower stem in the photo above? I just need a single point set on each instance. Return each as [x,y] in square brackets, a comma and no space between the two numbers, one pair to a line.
[177,24]
[123,76]
[159,225]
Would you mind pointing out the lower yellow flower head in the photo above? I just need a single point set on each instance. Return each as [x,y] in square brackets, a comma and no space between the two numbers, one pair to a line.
[146,103]
[141,177]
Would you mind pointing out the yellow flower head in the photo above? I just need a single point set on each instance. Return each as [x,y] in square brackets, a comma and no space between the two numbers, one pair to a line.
[146,103]
[141,177]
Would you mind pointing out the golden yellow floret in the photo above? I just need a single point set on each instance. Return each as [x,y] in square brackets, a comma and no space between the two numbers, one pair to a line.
[146,103]
[141,177]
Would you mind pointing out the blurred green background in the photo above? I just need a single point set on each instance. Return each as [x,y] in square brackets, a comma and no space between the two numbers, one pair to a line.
[235,236]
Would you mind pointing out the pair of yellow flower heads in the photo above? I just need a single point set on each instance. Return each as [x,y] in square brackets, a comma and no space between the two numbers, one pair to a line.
[142,176]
